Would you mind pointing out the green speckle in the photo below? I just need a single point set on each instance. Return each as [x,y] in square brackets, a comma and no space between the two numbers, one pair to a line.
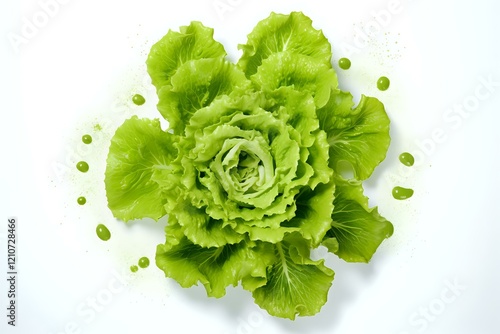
[81,200]
[402,193]
[143,262]
[407,159]
[97,127]
[138,99]
[87,139]
[344,63]
[134,268]
[82,166]
[383,83]
[103,232]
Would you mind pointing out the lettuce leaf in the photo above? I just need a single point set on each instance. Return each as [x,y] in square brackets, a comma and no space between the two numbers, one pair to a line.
[359,136]
[214,267]
[138,149]
[293,32]
[195,84]
[357,229]
[176,48]
[303,73]
[296,285]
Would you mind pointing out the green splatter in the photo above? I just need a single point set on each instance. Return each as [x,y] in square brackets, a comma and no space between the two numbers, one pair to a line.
[103,232]
[82,166]
[87,139]
[401,193]
[144,262]
[138,99]
[134,268]
[344,63]
[383,83]
[407,159]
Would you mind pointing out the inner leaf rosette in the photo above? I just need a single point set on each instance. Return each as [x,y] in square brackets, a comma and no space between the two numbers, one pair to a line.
[245,165]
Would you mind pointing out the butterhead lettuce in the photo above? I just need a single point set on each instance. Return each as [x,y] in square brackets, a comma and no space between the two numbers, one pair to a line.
[248,172]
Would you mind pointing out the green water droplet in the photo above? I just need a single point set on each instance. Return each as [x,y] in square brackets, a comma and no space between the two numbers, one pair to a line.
[87,139]
[103,232]
[402,193]
[407,159]
[143,262]
[383,83]
[138,99]
[81,200]
[134,268]
[344,63]
[82,166]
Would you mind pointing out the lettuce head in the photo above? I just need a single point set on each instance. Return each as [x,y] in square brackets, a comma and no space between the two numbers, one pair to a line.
[248,170]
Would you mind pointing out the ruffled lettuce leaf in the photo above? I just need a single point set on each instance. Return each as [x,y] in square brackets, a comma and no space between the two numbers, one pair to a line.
[277,33]
[176,48]
[356,230]
[296,285]
[138,149]
[214,267]
[195,84]
[358,135]
[303,73]
[298,110]
[200,228]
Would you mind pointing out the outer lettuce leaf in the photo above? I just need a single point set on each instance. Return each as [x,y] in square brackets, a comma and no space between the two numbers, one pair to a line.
[358,229]
[176,48]
[215,267]
[359,136]
[280,32]
[138,149]
[301,72]
[195,85]
[296,285]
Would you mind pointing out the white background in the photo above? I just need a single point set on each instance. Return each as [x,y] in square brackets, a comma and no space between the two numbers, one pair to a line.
[79,68]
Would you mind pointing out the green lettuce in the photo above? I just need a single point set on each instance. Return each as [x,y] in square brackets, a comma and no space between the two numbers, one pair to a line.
[138,149]
[279,32]
[357,135]
[249,170]
[356,230]
[193,42]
